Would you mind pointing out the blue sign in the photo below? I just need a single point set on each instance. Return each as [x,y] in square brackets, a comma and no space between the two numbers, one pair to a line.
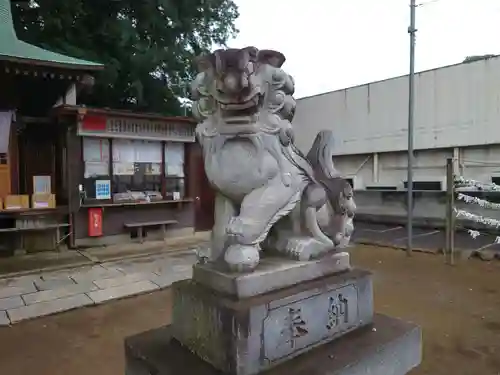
[103,189]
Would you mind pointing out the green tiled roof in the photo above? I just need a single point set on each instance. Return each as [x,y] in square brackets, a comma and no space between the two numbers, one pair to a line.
[14,49]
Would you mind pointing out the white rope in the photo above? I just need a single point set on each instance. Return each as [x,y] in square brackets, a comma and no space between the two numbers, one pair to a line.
[480,202]
[475,234]
[463,182]
[477,218]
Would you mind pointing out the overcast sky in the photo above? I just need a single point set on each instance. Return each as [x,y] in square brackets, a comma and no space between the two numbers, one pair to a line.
[334,44]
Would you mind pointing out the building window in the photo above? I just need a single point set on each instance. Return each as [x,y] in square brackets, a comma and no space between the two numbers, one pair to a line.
[381,187]
[174,170]
[138,170]
[96,165]
[137,166]
[425,185]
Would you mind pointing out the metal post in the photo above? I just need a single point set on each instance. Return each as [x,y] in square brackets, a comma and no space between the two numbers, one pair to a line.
[450,215]
[411,98]
[452,222]
[447,216]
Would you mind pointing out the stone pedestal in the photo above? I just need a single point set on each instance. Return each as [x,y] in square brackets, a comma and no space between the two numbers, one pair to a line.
[284,311]
[388,346]
[271,274]
[247,336]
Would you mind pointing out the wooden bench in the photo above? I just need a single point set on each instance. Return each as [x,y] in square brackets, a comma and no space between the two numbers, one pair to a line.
[140,227]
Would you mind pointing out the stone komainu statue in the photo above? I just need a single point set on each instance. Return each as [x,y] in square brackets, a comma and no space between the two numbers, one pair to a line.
[269,196]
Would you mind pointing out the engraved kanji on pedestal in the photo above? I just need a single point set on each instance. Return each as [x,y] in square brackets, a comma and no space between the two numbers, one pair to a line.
[337,311]
[295,327]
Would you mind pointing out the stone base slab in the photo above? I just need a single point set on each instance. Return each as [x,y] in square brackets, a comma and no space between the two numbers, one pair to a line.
[273,273]
[247,336]
[389,346]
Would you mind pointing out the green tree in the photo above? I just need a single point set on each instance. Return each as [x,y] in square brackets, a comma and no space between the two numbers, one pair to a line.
[147,45]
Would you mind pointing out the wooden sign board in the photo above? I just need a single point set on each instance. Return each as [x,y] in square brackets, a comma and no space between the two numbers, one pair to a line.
[132,128]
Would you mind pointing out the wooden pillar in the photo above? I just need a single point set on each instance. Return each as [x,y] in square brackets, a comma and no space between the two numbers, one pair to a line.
[73,173]
[14,159]
[190,170]
[163,170]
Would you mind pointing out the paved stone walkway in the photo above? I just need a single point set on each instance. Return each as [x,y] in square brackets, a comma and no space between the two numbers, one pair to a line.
[32,296]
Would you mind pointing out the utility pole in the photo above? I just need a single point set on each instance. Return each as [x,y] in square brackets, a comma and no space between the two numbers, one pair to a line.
[411,104]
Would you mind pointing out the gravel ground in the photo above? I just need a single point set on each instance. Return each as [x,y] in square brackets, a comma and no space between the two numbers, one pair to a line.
[458,308]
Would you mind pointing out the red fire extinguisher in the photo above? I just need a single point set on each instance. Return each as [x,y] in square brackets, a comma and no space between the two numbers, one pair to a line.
[95,222]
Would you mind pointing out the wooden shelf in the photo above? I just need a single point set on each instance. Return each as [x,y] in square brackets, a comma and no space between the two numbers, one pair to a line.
[34,229]
[33,211]
[135,204]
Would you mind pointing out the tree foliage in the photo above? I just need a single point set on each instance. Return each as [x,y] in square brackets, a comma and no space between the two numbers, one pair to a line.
[147,46]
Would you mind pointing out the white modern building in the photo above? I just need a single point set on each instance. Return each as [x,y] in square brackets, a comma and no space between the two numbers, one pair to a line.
[457,114]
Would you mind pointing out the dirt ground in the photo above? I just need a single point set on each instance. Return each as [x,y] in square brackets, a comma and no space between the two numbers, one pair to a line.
[458,308]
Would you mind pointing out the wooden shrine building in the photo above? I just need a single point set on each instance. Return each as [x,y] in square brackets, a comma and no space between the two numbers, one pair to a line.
[74,176]
[132,176]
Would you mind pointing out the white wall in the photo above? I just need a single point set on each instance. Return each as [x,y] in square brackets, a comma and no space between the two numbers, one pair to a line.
[480,163]
[357,167]
[457,105]
[477,162]
[391,168]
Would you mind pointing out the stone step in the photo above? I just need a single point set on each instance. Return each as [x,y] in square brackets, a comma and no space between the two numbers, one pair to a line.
[388,346]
